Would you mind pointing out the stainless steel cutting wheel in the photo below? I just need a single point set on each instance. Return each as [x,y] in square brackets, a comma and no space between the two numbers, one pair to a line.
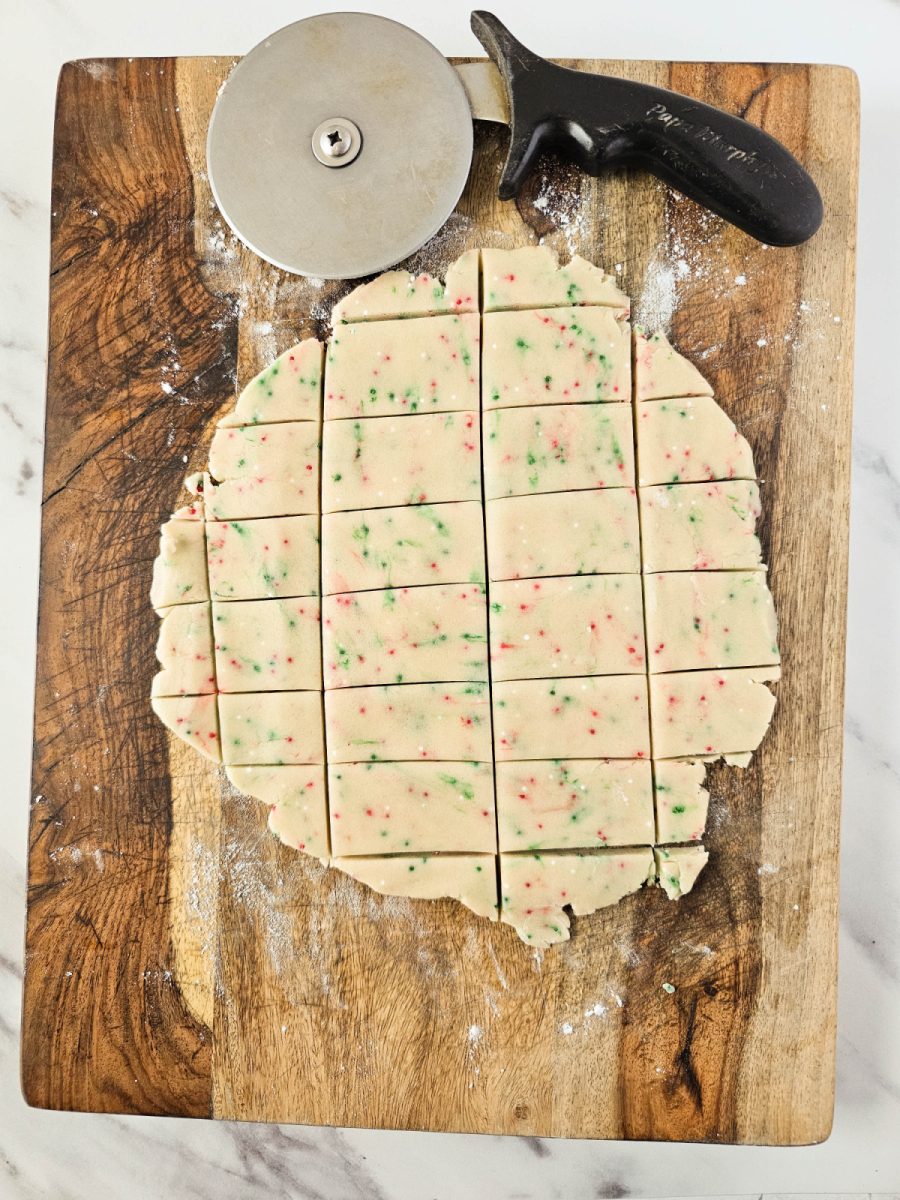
[339,145]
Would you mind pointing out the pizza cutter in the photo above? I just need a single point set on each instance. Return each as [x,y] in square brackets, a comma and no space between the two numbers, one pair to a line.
[341,144]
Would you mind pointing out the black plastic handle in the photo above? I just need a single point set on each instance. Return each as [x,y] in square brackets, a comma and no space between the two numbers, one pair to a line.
[722,161]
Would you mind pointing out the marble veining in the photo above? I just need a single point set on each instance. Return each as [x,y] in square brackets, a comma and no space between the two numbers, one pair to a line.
[76,1156]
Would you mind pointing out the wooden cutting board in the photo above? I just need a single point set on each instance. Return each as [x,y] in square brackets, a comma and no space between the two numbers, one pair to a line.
[179,959]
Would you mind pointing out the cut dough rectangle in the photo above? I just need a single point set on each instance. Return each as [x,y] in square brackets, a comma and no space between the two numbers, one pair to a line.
[681,799]
[185,651]
[405,635]
[683,441]
[268,645]
[567,804]
[271,556]
[194,719]
[296,799]
[557,448]
[290,389]
[555,356]
[402,547]
[411,807]
[400,294]
[580,625]
[469,878]
[710,712]
[566,533]
[377,462]
[271,728]
[702,619]
[700,526]
[179,570]
[246,499]
[530,277]
[263,471]
[603,716]
[392,368]
[416,721]
[536,889]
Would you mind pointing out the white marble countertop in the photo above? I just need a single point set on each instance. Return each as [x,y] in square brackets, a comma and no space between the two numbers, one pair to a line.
[47,1154]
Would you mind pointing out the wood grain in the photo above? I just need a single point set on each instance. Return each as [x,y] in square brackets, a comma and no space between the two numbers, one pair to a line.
[180,960]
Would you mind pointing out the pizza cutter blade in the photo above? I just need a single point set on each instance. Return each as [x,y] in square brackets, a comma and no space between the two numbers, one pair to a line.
[339,145]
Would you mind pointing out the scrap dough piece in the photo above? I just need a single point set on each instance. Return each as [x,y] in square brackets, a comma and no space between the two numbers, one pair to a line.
[263,471]
[389,368]
[677,868]
[377,462]
[405,635]
[192,511]
[570,804]
[469,878]
[194,719]
[536,889]
[179,570]
[710,712]
[271,556]
[530,277]
[555,356]
[400,294]
[298,812]
[402,547]
[271,728]
[661,372]
[581,625]
[411,808]
[268,645]
[566,533]
[700,526]
[449,721]
[557,448]
[185,651]
[683,441]
[290,389]
[682,802]
[701,619]
[601,716]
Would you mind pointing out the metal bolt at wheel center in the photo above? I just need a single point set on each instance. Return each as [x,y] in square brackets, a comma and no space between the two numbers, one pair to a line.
[336,142]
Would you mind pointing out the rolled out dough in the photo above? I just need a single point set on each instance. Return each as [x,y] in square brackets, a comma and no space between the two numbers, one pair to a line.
[408,601]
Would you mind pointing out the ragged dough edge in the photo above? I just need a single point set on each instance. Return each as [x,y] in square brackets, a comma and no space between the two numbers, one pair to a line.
[191,627]
[678,867]
[661,373]
[393,876]
[291,820]
[692,785]
[195,719]
[310,358]
[554,285]
[686,779]
[587,876]
[399,294]
[741,449]
[162,595]
[189,512]
[756,678]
